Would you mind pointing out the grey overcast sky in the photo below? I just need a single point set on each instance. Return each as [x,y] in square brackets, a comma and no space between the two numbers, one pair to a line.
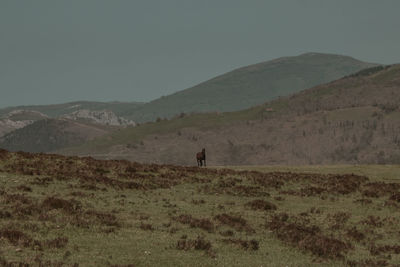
[118,50]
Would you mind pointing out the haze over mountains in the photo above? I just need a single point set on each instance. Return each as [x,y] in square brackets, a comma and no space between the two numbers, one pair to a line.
[351,120]
[280,131]
[251,85]
[235,90]
[56,110]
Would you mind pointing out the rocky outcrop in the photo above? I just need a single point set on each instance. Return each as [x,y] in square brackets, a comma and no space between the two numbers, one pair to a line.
[104,117]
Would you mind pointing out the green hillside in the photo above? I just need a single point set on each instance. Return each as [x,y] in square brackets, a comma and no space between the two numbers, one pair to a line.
[351,120]
[233,91]
[251,85]
[308,68]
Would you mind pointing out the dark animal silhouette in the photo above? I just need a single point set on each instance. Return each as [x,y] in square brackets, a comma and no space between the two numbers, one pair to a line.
[200,156]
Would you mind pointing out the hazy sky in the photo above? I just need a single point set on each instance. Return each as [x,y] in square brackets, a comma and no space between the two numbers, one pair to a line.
[104,50]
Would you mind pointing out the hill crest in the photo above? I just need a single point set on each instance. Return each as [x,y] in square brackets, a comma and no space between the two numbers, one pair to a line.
[252,85]
[352,120]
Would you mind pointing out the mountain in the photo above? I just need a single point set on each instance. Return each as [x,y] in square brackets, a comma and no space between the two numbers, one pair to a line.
[57,110]
[103,117]
[235,90]
[251,85]
[51,134]
[13,118]
[352,120]
[17,119]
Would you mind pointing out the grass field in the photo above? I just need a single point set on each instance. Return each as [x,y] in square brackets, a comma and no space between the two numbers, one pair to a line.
[382,173]
[70,211]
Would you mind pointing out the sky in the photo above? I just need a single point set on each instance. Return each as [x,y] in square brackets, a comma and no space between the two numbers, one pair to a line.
[54,51]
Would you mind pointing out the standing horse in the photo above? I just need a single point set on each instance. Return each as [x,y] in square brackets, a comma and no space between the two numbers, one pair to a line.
[200,156]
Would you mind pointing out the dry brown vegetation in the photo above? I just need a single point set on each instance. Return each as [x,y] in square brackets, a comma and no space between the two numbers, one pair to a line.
[251,245]
[306,236]
[204,224]
[354,120]
[52,204]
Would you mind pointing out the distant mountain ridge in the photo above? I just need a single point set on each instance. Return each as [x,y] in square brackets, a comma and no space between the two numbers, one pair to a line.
[57,110]
[231,91]
[51,134]
[13,118]
[353,120]
[235,90]
[251,85]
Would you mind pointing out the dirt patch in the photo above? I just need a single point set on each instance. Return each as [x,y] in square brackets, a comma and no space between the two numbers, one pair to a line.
[384,249]
[236,222]
[69,206]
[260,204]
[196,244]
[374,221]
[78,194]
[227,233]
[238,190]
[338,220]
[59,242]
[244,244]
[355,234]
[16,199]
[199,244]
[395,197]
[5,214]
[24,188]
[146,227]
[203,223]
[306,237]
[16,237]
[380,189]
[367,263]
[4,154]
[330,184]
[363,201]
[103,218]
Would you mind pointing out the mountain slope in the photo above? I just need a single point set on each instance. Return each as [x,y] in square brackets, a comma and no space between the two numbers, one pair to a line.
[13,118]
[17,119]
[57,110]
[102,117]
[234,90]
[51,134]
[251,85]
[352,120]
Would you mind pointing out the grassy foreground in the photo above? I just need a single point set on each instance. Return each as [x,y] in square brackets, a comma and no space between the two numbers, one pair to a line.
[70,211]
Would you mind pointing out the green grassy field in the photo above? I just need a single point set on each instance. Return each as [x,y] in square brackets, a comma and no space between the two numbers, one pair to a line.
[66,211]
[382,173]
